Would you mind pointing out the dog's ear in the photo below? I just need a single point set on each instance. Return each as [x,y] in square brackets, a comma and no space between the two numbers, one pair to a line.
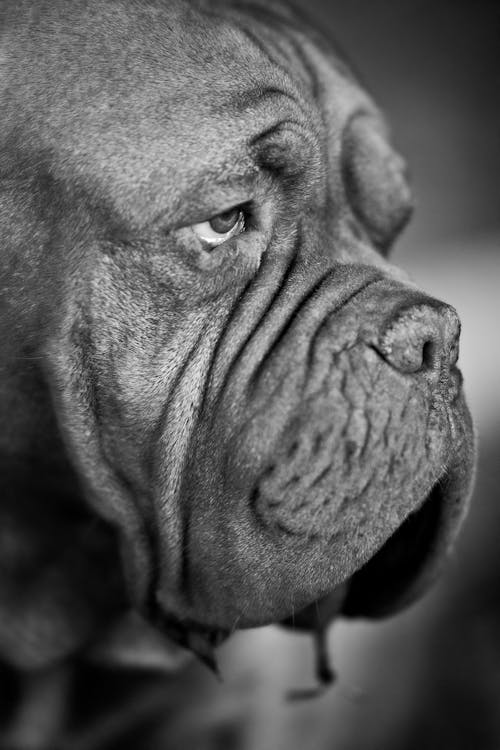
[376,181]
[374,176]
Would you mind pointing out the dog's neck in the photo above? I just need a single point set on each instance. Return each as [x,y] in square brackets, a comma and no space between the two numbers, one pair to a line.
[54,552]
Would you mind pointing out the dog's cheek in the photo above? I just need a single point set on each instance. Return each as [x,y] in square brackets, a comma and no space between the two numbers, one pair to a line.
[147,355]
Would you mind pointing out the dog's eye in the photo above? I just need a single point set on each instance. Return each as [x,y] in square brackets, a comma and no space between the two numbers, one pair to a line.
[222,227]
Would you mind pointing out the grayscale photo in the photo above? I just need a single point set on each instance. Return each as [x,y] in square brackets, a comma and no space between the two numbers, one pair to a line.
[249,367]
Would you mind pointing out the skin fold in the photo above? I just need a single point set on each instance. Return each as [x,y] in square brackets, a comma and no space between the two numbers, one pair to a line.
[212,438]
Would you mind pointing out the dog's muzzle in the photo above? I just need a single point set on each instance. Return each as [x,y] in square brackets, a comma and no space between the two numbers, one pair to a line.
[335,475]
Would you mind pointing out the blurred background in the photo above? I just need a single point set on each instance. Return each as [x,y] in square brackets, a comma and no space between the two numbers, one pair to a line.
[429,678]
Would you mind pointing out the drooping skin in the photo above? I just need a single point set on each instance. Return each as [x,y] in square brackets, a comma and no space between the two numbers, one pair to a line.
[214,437]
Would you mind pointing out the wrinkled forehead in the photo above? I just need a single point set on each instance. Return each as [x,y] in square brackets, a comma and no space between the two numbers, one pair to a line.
[140,97]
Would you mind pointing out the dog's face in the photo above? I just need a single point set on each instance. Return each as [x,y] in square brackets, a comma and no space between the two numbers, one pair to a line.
[249,390]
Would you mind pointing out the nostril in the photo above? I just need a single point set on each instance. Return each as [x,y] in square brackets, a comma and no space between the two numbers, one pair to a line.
[409,350]
[420,338]
[429,355]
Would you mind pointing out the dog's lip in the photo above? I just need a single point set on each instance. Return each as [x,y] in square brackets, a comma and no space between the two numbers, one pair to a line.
[402,569]
[413,557]
[388,581]
[406,564]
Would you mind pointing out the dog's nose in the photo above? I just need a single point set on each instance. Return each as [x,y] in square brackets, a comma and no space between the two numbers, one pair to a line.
[421,337]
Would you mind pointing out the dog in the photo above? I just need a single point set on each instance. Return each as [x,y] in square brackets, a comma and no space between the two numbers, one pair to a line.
[223,406]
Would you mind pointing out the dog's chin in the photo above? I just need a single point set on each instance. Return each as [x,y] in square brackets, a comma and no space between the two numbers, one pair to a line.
[399,572]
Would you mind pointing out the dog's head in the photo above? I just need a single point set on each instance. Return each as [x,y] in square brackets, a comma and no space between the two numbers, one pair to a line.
[259,402]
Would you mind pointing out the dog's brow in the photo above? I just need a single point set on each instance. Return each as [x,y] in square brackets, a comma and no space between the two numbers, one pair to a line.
[267,110]
[272,110]
[258,98]
[263,106]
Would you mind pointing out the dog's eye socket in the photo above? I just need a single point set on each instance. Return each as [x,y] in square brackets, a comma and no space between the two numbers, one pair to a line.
[222,227]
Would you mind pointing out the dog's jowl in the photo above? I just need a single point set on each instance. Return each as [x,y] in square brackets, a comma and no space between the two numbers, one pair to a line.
[222,404]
